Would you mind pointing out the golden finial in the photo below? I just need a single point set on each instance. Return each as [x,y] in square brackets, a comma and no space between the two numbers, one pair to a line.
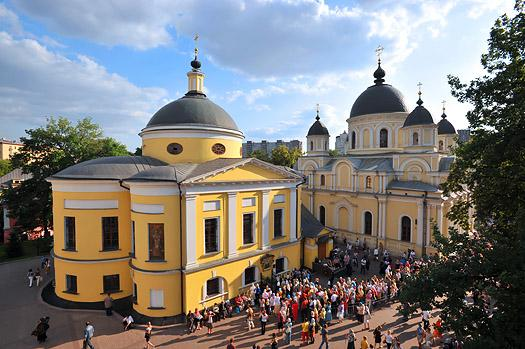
[419,101]
[317,108]
[195,39]
[443,104]
[379,51]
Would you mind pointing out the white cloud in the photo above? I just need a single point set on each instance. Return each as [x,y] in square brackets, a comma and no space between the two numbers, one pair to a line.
[259,38]
[36,82]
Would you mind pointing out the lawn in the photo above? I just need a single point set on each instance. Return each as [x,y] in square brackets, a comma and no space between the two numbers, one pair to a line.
[31,248]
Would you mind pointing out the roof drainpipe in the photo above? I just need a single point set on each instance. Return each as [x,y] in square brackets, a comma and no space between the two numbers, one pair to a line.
[181,260]
[424,241]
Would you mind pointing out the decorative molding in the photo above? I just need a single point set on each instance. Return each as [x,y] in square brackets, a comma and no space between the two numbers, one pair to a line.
[174,134]
[214,187]
[249,202]
[279,198]
[90,204]
[213,205]
[147,208]
[86,186]
[153,188]
[197,128]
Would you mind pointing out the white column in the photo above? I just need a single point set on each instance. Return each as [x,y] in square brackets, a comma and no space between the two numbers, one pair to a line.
[191,231]
[293,214]
[232,225]
[265,219]
[420,223]
[383,219]
[428,224]
[440,217]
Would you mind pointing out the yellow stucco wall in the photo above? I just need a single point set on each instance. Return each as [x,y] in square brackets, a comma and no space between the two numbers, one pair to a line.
[170,284]
[90,279]
[195,150]
[247,172]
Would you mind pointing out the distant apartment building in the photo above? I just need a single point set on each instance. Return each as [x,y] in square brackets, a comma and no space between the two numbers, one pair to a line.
[8,148]
[340,143]
[463,135]
[267,147]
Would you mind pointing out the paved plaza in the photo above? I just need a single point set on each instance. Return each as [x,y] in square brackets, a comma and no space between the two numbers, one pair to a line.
[21,307]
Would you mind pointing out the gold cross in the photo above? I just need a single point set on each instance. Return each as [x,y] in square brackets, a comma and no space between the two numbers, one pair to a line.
[379,51]
[443,103]
[196,38]
[419,84]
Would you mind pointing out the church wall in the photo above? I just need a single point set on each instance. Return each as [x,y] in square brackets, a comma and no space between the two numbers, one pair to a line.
[171,220]
[195,150]
[286,216]
[90,279]
[169,283]
[221,213]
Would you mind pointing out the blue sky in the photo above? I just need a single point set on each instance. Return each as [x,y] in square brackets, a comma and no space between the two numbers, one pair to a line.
[266,62]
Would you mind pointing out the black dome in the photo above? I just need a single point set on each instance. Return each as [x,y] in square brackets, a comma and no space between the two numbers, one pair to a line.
[419,116]
[445,127]
[379,98]
[318,128]
[192,109]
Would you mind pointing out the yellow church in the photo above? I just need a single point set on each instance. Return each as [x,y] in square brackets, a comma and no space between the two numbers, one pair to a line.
[187,224]
[384,191]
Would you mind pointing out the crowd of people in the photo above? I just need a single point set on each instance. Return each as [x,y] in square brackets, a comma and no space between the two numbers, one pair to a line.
[297,297]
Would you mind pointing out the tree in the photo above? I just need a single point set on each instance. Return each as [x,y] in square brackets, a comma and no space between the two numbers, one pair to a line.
[484,267]
[5,167]
[333,152]
[282,156]
[46,151]
[261,155]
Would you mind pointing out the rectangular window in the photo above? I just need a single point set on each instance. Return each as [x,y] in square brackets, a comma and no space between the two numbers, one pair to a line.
[211,235]
[248,202]
[277,223]
[156,241]
[277,199]
[135,297]
[249,275]
[247,228]
[133,239]
[69,233]
[111,283]
[156,298]
[109,233]
[279,265]
[212,205]
[71,283]
[213,287]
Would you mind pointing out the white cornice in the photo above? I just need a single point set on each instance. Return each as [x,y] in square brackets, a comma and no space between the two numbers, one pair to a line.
[86,186]
[179,131]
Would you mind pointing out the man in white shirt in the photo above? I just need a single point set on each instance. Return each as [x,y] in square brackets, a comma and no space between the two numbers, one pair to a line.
[127,322]
[425,315]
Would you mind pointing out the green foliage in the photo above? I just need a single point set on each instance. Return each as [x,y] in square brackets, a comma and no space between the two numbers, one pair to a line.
[46,151]
[5,167]
[138,151]
[14,245]
[261,155]
[489,259]
[281,156]
[333,152]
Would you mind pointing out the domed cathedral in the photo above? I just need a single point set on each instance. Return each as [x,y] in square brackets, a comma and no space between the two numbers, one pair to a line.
[385,189]
[188,224]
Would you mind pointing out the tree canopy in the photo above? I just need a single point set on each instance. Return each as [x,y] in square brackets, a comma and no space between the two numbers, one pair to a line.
[280,155]
[5,167]
[47,150]
[477,277]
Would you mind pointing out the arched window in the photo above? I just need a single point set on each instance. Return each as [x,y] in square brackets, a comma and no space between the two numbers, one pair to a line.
[406,228]
[322,215]
[383,138]
[311,145]
[368,223]
[368,182]
[415,138]
[322,180]
[353,139]
[440,145]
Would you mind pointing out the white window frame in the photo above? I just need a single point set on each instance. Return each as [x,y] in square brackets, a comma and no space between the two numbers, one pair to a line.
[212,205]
[221,293]
[160,292]
[249,202]
[218,234]
[256,279]
[254,215]
[279,199]
[285,268]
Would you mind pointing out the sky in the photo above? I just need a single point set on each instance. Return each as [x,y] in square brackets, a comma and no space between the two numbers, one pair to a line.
[267,62]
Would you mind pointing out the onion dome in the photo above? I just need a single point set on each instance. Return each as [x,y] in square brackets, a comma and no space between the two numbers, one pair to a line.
[379,98]
[445,127]
[194,110]
[419,116]
[318,128]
